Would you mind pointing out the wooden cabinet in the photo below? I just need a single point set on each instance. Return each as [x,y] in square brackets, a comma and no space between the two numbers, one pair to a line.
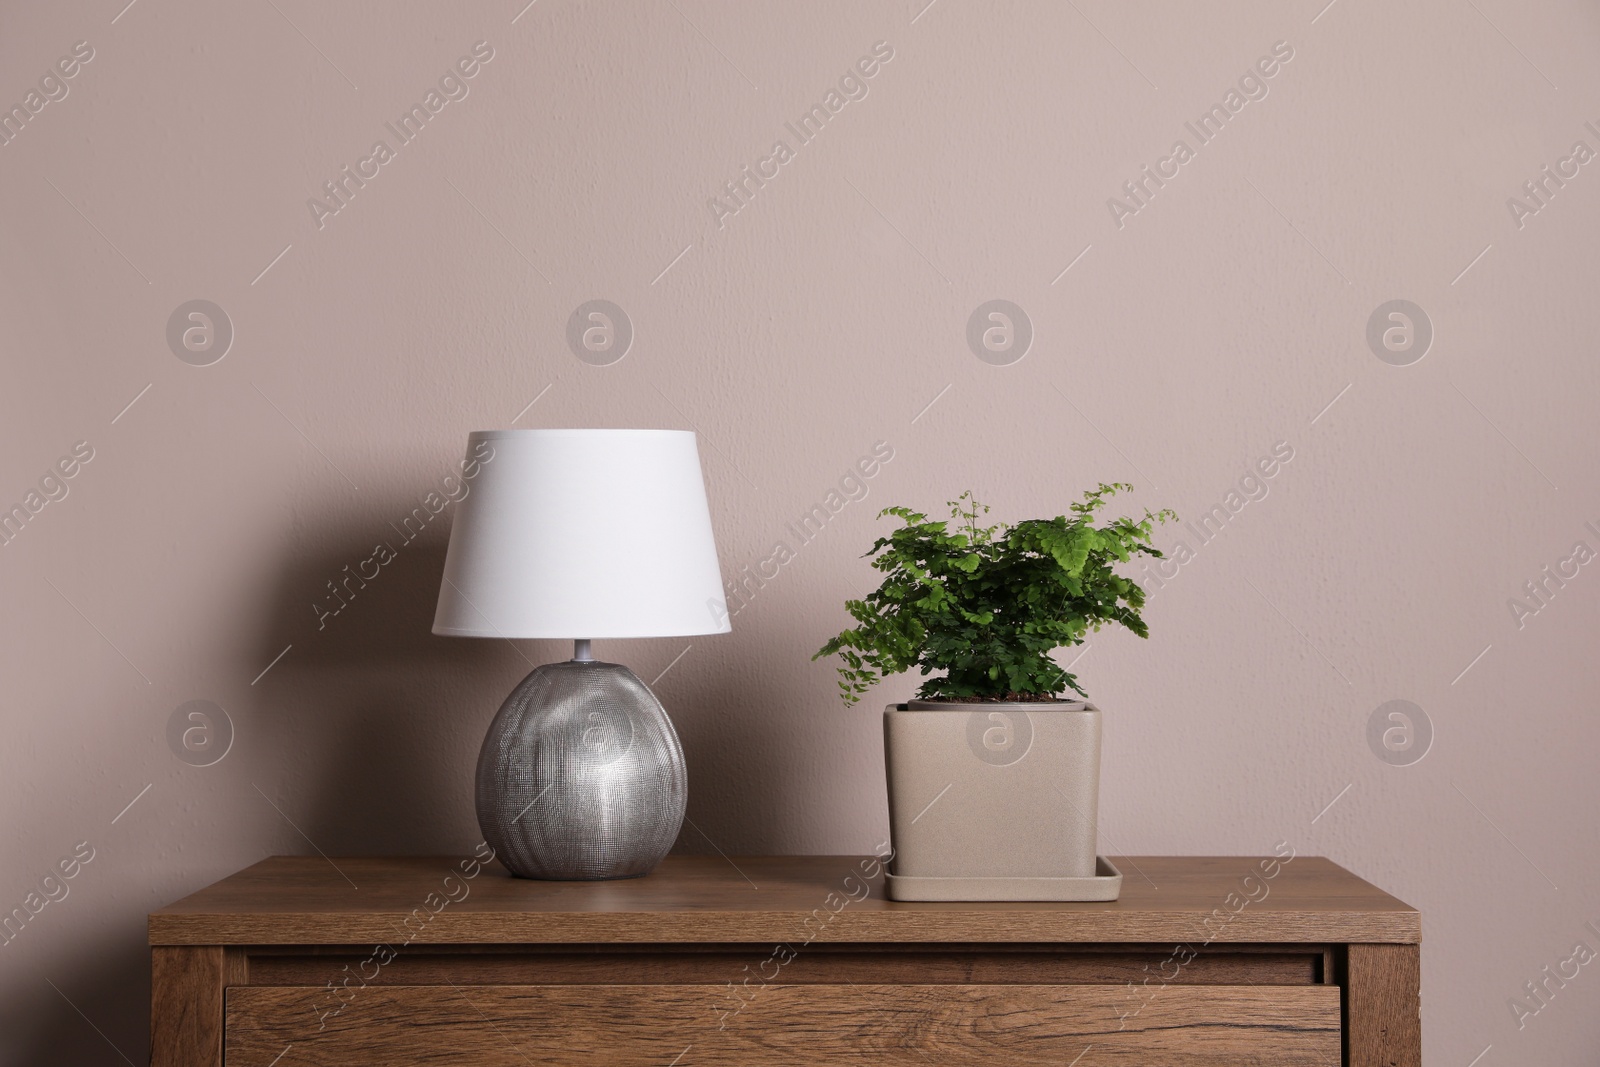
[780,960]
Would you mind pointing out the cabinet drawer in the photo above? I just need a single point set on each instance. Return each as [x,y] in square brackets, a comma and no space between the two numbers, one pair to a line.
[800,1025]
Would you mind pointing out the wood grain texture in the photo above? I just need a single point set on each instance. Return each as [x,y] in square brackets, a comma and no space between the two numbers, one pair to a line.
[287,900]
[798,1026]
[838,964]
[187,985]
[1384,1003]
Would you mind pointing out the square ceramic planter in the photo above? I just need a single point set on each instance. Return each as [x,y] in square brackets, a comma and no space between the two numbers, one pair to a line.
[995,801]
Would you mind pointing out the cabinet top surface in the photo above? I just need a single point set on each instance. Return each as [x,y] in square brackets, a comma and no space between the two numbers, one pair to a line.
[299,900]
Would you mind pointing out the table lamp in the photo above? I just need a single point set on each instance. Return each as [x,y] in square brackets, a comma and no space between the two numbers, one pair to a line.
[582,534]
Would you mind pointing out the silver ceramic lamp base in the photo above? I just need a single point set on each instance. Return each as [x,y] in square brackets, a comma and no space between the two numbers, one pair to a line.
[581,776]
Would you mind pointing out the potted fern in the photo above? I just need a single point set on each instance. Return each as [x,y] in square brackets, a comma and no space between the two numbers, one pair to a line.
[994,769]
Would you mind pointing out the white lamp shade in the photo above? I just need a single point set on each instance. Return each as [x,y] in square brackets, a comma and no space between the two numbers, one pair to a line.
[582,534]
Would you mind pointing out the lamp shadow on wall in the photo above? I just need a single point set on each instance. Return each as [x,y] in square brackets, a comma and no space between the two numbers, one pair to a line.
[741,788]
[373,723]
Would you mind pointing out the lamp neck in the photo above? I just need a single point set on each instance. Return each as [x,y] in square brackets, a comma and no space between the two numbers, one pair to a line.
[580,651]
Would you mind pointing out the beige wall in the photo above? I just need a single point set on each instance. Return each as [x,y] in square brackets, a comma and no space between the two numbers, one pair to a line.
[1216,321]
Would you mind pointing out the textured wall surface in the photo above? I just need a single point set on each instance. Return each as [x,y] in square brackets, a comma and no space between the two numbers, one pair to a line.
[1233,303]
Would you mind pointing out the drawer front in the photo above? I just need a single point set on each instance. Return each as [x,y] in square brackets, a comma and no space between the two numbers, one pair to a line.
[799,1025]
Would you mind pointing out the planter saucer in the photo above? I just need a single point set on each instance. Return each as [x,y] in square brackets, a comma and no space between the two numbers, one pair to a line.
[1105,884]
